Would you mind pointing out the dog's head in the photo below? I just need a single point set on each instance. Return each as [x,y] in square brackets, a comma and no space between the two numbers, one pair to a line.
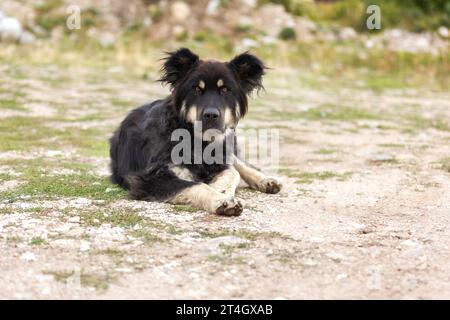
[214,93]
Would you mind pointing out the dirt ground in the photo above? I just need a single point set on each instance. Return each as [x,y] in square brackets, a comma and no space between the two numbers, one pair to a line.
[364,213]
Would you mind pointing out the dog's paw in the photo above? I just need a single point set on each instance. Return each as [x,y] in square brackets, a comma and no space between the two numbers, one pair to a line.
[230,207]
[270,185]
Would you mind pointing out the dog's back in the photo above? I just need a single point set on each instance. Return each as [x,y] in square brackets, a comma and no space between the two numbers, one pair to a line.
[130,143]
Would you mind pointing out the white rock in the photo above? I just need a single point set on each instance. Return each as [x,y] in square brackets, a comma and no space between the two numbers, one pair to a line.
[212,7]
[46,291]
[180,11]
[85,246]
[249,3]
[28,256]
[124,270]
[335,256]
[213,245]
[107,39]
[410,243]
[443,32]
[341,276]
[10,29]
[347,33]
[74,219]
[27,38]
[249,43]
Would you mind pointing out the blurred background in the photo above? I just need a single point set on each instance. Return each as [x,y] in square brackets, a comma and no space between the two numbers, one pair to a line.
[323,36]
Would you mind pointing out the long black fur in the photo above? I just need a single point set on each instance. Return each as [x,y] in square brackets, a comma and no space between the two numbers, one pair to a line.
[141,147]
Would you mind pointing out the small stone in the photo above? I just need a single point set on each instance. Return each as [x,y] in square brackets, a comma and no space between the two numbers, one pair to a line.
[347,33]
[337,257]
[212,7]
[74,220]
[10,29]
[85,246]
[382,157]
[341,276]
[27,38]
[28,256]
[46,291]
[410,243]
[107,39]
[213,245]
[124,270]
[249,43]
[443,32]
[180,11]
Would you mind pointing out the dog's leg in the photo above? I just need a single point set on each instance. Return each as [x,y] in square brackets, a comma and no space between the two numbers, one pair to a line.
[205,197]
[226,181]
[164,185]
[256,179]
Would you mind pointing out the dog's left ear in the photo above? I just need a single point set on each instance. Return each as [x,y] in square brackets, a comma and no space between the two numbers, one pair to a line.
[249,71]
[177,64]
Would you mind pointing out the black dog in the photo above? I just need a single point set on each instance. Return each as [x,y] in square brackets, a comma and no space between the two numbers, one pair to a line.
[210,93]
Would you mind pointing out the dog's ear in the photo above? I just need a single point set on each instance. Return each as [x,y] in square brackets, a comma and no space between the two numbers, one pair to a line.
[249,71]
[177,64]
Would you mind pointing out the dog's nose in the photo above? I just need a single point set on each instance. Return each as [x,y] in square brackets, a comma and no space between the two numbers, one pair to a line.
[211,114]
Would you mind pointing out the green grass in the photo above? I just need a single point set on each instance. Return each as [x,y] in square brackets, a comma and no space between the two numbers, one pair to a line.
[244,234]
[122,218]
[445,164]
[183,208]
[85,185]
[327,112]
[149,237]
[392,145]
[12,105]
[310,177]
[37,241]
[419,123]
[325,151]
[99,282]
[28,133]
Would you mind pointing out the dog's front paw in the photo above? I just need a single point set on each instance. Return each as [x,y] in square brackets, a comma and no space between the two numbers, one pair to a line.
[270,185]
[229,207]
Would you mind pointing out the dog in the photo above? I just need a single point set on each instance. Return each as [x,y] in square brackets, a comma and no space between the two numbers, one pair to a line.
[211,94]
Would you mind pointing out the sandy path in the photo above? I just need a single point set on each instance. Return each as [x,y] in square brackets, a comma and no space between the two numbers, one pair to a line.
[377,226]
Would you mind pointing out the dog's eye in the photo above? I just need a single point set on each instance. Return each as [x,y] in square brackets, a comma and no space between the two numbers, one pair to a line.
[223,89]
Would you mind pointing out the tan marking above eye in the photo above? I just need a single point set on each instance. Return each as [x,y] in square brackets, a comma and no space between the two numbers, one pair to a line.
[220,83]
[201,84]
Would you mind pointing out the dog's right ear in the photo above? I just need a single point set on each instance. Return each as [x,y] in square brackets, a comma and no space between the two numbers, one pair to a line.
[177,64]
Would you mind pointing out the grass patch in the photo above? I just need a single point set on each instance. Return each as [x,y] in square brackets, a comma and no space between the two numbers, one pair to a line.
[327,112]
[310,177]
[420,123]
[325,151]
[183,208]
[37,241]
[12,105]
[28,133]
[121,218]
[73,185]
[445,164]
[245,234]
[147,236]
[99,282]
[392,145]
[112,252]
[60,276]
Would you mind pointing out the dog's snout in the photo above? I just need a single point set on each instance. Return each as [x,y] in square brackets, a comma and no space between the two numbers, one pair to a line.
[211,114]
